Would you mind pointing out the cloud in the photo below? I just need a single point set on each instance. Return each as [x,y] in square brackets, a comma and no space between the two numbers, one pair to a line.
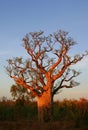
[2,53]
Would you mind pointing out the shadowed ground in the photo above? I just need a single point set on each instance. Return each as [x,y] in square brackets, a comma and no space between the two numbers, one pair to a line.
[24,125]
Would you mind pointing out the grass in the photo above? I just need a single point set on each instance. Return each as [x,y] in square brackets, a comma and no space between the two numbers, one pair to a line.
[68,115]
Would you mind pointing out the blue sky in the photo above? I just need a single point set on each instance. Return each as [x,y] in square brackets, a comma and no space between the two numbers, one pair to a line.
[18,17]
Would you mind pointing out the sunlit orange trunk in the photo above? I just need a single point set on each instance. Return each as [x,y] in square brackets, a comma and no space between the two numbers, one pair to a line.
[45,107]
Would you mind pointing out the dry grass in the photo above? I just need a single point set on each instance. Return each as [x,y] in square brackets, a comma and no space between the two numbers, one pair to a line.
[68,115]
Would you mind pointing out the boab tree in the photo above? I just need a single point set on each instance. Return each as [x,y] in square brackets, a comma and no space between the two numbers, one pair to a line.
[48,64]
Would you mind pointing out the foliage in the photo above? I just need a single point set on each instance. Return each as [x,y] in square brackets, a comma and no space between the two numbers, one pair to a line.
[19,93]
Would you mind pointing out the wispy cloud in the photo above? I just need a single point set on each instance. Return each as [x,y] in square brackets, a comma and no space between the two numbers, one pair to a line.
[2,53]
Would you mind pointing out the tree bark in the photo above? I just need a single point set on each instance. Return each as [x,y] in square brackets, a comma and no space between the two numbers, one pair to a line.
[45,107]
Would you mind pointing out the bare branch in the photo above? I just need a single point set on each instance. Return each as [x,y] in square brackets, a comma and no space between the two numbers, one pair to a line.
[48,61]
[67,80]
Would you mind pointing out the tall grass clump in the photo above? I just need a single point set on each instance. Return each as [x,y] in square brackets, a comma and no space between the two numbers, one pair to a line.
[72,110]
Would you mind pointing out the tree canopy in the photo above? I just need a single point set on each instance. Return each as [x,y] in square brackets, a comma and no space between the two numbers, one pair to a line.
[48,56]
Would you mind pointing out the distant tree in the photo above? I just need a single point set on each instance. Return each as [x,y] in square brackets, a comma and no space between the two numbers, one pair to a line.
[47,70]
[18,92]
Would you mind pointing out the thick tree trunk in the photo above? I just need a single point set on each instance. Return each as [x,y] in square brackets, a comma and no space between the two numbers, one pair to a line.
[45,107]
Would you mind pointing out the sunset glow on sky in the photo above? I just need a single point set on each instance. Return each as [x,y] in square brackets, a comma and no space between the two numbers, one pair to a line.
[19,17]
